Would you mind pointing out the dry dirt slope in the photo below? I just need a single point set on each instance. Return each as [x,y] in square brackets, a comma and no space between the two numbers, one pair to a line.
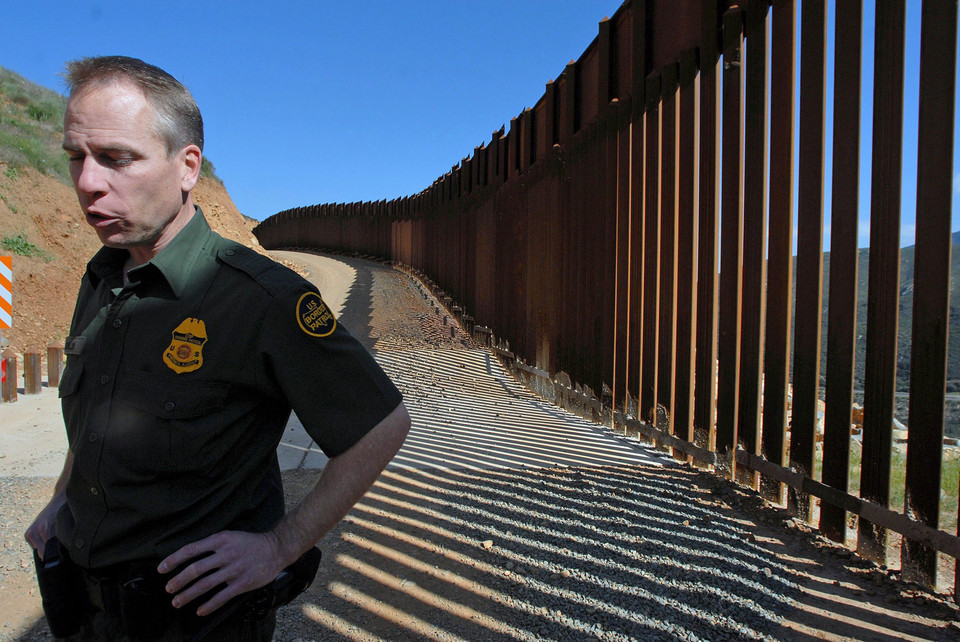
[45,212]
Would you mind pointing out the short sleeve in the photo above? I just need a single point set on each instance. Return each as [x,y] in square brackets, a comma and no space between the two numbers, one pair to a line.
[329,379]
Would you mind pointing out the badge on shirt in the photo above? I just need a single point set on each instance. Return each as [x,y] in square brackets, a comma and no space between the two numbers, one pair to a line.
[314,317]
[185,353]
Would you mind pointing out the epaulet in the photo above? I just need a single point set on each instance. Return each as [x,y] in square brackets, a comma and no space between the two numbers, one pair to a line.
[270,275]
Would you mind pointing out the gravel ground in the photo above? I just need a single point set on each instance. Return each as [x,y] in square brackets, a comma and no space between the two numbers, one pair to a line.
[654,551]
[578,554]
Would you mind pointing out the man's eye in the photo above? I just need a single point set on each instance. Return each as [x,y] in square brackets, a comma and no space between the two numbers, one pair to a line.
[116,161]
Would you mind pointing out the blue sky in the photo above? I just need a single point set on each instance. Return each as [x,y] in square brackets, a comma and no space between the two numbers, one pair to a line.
[350,101]
[309,102]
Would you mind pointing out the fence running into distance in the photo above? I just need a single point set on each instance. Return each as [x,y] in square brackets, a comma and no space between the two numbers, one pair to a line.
[635,229]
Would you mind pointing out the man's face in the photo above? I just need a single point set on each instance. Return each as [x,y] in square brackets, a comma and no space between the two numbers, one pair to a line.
[132,192]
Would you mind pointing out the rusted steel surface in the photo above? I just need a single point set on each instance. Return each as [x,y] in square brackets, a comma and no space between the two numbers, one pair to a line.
[651,253]
[587,235]
[578,330]
[842,316]
[806,355]
[883,286]
[622,257]
[687,221]
[754,230]
[8,389]
[33,371]
[675,27]
[640,27]
[54,364]
[931,293]
[611,264]
[709,228]
[668,248]
[731,230]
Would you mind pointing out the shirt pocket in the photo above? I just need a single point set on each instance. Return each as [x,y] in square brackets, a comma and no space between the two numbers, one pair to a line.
[173,398]
[70,379]
[73,370]
[69,399]
[166,422]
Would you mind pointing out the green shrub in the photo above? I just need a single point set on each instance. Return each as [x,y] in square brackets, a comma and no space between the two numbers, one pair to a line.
[42,112]
[34,152]
[21,246]
[207,169]
[31,126]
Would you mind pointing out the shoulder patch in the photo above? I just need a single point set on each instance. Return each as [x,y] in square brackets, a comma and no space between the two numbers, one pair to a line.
[314,317]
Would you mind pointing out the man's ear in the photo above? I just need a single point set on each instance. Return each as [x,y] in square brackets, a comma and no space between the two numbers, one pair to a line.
[191,158]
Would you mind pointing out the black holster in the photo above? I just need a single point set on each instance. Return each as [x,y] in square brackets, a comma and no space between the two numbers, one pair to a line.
[61,590]
[143,604]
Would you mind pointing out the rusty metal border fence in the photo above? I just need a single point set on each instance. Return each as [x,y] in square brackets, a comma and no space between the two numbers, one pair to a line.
[635,231]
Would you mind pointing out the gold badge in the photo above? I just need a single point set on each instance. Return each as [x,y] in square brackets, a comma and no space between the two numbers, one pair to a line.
[185,353]
[314,317]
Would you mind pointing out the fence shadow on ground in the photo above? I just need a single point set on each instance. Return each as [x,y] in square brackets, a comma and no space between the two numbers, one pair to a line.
[561,553]
[612,553]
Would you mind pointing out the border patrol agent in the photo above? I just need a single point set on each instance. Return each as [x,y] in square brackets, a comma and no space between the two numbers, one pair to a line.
[186,354]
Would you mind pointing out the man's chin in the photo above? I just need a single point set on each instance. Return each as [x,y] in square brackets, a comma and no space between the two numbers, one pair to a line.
[125,242]
[116,241]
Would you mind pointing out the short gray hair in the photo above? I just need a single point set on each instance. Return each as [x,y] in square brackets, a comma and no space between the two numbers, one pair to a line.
[178,122]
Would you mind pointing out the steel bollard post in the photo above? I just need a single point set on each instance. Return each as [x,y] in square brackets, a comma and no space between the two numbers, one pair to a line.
[33,371]
[9,386]
[54,364]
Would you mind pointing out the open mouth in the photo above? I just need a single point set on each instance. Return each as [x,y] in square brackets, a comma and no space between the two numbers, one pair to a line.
[98,219]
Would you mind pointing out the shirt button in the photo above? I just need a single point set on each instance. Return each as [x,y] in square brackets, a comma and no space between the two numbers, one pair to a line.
[169,406]
[230,252]
[93,436]
[117,323]
[105,379]
[80,543]
[94,491]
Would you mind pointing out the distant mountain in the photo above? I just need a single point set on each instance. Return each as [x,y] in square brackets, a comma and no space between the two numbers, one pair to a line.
[905,317]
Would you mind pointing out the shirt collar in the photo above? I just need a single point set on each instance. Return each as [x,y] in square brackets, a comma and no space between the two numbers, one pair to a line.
[174,263]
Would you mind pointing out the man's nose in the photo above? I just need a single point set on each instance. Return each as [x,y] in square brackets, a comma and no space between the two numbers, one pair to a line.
[89,176]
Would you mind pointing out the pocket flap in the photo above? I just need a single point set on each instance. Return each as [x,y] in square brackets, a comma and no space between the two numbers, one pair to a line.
[171,398]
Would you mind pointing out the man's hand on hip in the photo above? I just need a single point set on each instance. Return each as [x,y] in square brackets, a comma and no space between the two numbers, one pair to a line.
[233,562]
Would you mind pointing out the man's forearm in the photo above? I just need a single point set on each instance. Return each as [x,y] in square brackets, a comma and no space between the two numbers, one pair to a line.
[245,561]
[61,484]
[342,483]
[43,525]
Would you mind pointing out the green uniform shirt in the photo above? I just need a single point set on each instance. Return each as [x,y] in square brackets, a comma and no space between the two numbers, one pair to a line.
[179,384]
